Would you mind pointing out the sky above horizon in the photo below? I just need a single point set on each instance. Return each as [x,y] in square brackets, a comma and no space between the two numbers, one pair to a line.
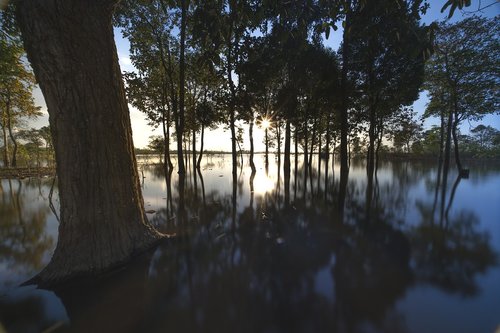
[219,139]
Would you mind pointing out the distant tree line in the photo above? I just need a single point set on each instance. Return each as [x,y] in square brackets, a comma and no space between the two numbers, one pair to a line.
[259,62]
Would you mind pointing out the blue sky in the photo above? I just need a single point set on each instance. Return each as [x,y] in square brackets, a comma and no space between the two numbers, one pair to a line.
[220,139]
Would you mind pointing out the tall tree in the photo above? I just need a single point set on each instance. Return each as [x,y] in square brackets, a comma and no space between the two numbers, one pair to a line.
[462,75]
[70,45]
[16,93]
[158,53]
[388,46]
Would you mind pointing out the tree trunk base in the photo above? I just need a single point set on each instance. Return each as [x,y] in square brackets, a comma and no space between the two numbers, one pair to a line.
[63,269]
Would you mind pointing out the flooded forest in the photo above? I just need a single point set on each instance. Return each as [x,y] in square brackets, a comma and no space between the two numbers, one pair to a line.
[306,166]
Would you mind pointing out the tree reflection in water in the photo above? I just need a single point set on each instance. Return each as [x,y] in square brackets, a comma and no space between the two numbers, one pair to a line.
[285,260]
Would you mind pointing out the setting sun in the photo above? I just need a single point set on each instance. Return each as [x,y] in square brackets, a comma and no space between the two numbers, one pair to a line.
[265,123]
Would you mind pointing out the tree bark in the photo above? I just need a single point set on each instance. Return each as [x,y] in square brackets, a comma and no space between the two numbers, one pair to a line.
[71,47]
[13,161]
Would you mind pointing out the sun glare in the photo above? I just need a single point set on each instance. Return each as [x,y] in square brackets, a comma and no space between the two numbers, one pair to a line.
[262,184]
[265,123]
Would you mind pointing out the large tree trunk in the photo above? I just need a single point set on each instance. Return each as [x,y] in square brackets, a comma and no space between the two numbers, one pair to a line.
[71,47]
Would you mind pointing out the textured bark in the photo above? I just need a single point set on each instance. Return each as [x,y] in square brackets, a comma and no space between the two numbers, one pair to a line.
[71,47]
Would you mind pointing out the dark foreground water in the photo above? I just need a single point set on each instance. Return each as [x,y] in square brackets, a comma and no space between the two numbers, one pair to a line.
[259,257]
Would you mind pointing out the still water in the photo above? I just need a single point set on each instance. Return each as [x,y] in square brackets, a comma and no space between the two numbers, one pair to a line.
[259,257]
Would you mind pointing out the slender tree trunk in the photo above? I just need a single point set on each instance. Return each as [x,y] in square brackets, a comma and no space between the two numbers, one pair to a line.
[182,89]
[286,163]
[232,119]
[278,142]
[266,139]
[166,139]
[313,143]
[455,144]
[380,136]
[193,144]
[306,148]
[250,133]
[202,142]
[70,45]
[296,148]
[446,162]
[344,126]
[327,154]
[296,162]
[6,157]
[288,139]
[11,135]
[319,162]
[370,163]
[440,162]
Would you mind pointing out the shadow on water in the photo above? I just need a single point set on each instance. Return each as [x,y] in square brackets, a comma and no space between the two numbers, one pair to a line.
[250,257]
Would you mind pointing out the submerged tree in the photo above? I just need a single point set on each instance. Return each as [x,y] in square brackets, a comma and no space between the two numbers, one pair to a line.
[16,95]
[462,75]
[71,48]
[388,46]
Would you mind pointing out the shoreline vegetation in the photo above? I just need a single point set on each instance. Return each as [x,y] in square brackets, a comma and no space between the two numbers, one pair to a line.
[26,172]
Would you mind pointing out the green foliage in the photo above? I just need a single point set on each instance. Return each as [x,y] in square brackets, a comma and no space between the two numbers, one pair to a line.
[405,129]
[464,69]
[16,86]
[462,75]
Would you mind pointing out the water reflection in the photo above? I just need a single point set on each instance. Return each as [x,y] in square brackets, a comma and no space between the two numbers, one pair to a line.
[261,253]
[24,242]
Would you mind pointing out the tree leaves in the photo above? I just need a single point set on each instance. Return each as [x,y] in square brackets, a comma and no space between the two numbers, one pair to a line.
[453,4]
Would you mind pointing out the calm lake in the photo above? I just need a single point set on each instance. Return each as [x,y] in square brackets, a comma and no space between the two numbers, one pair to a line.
[258,257]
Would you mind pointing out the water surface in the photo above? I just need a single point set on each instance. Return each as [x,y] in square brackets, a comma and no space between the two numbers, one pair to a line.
[261,257]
